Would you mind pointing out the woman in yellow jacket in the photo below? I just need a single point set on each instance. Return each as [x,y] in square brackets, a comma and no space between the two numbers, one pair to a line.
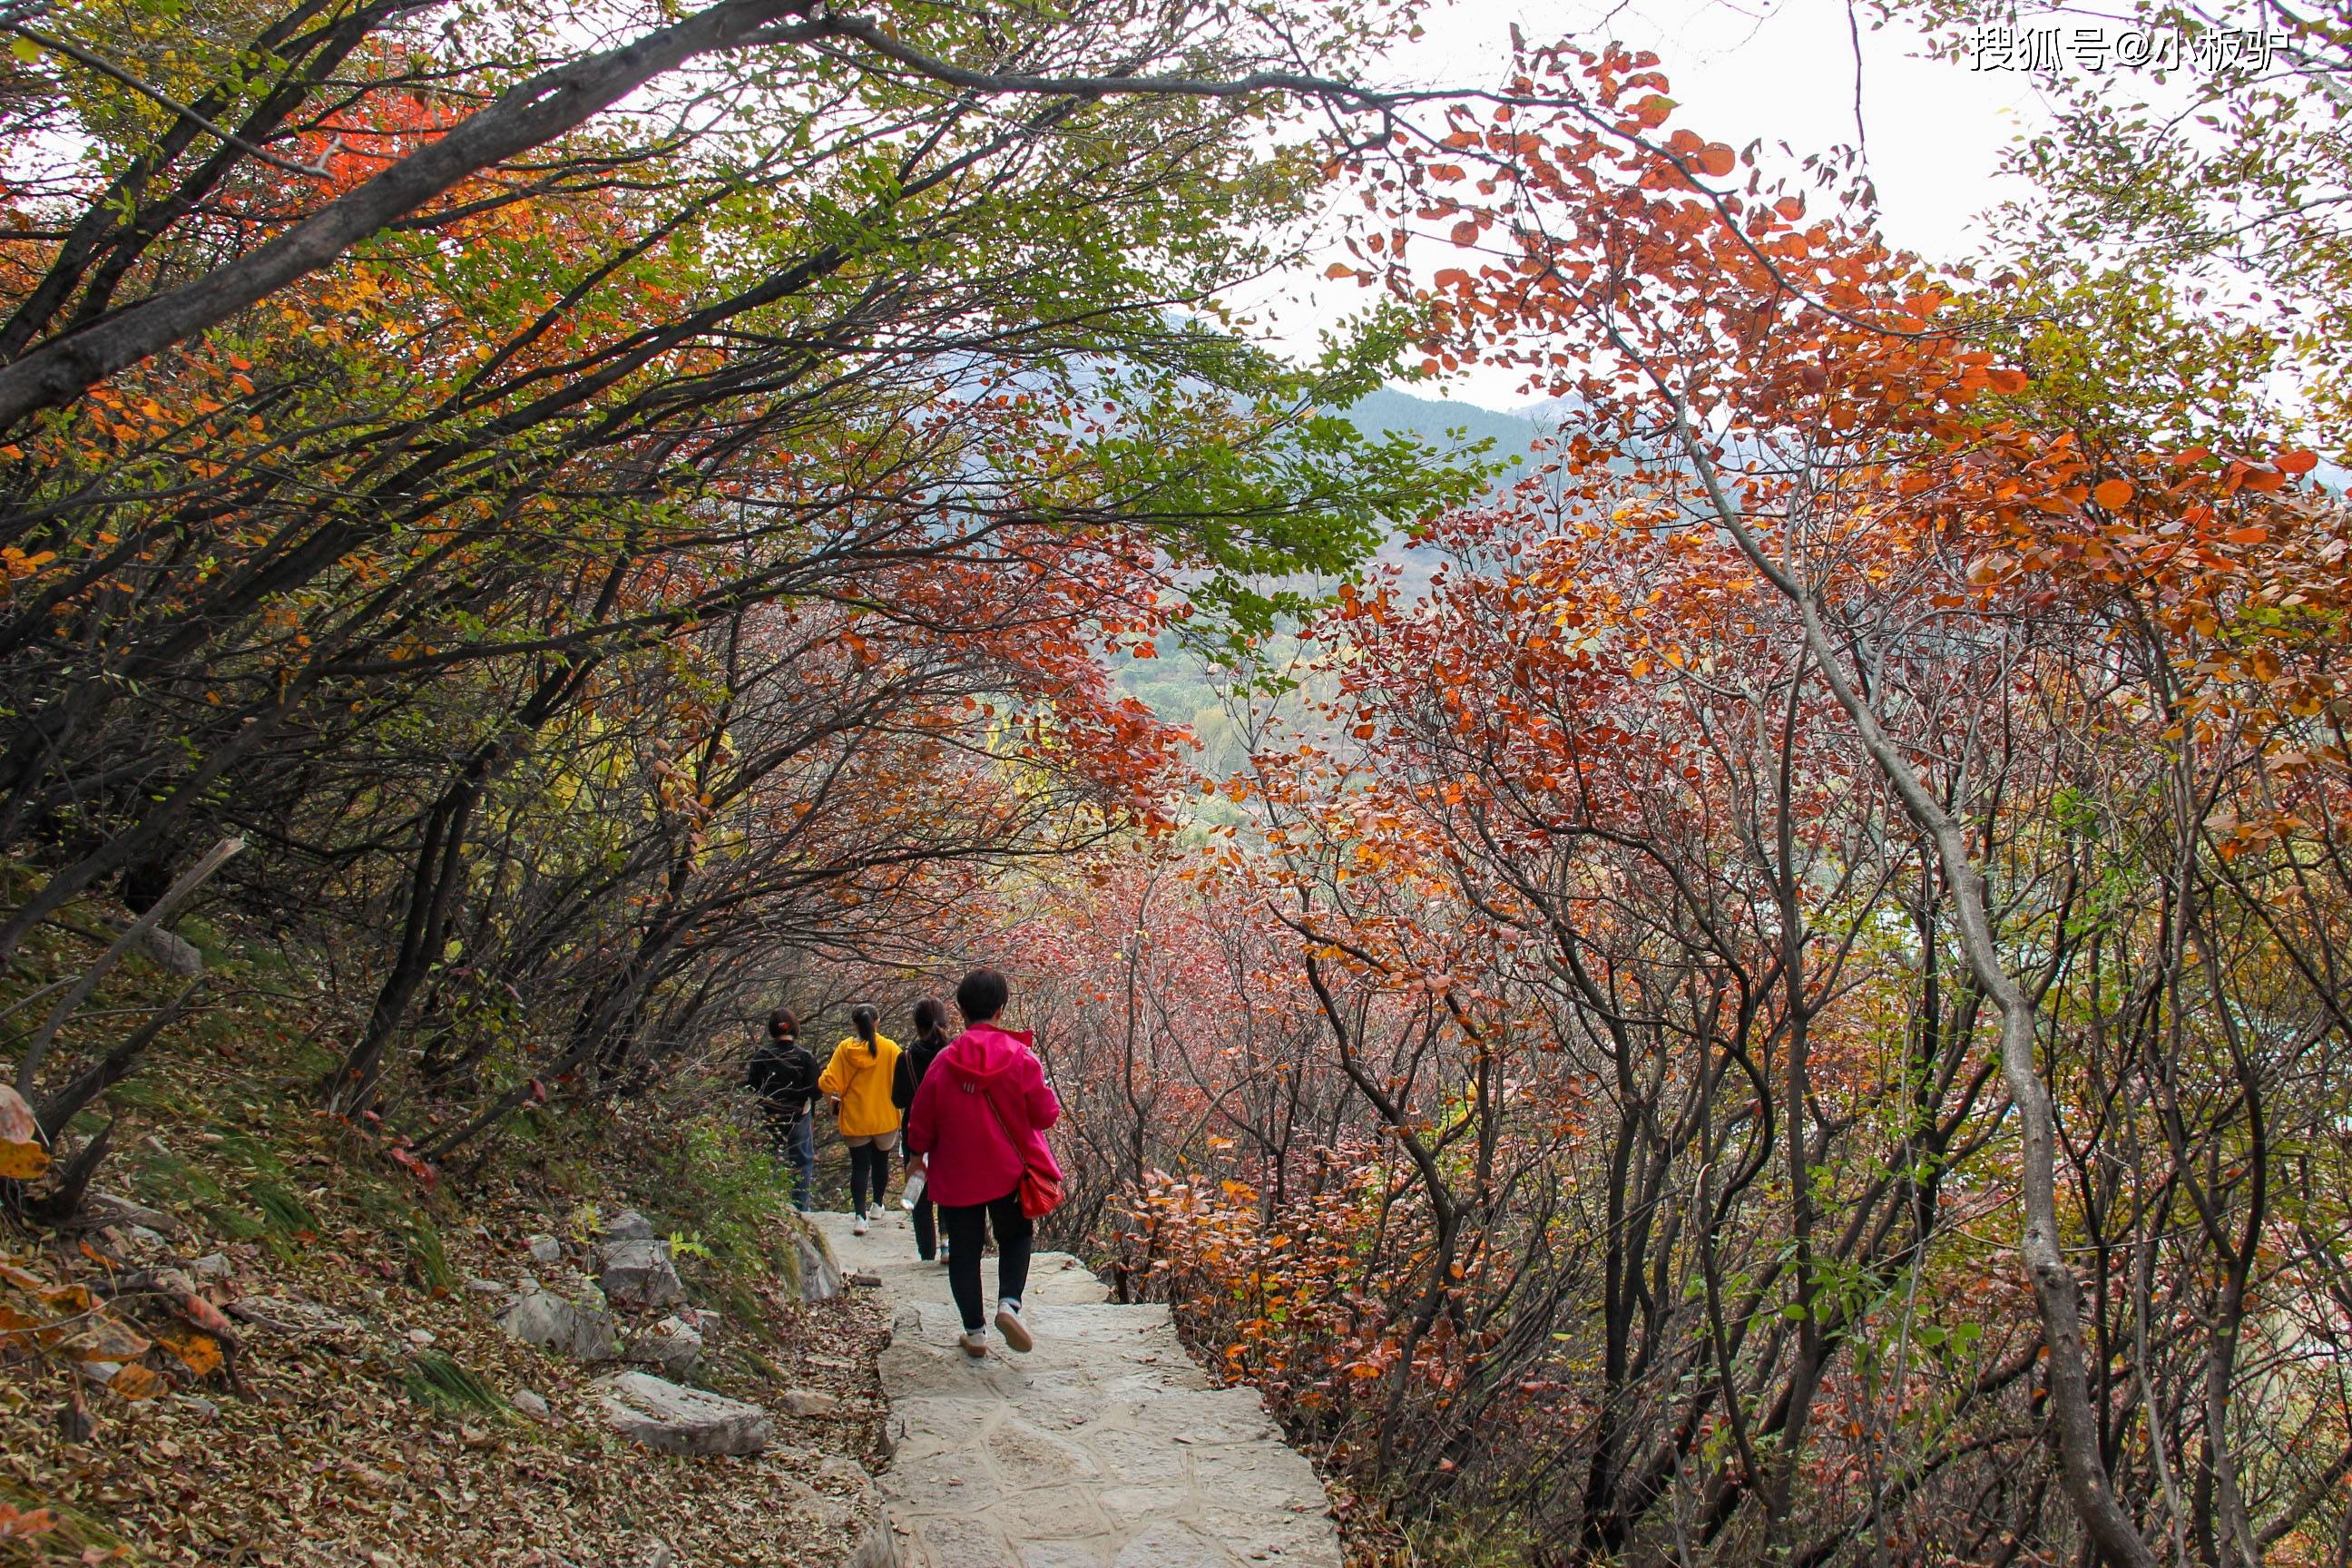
[858,1079]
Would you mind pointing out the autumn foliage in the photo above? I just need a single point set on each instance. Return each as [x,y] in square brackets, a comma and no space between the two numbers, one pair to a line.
[1612,1147]
[1790,1005]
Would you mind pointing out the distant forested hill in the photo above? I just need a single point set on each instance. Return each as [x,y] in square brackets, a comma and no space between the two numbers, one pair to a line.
[1442,423]
[1179,686]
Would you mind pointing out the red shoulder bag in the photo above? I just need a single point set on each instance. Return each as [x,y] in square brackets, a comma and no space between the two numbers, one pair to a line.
[1041,1190]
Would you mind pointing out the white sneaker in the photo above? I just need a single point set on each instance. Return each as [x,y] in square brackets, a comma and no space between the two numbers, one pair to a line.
[857,1225]
[974,1342]
[1015,1332]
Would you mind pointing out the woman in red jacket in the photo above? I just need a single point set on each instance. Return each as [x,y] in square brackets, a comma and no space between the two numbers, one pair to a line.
[978,1121]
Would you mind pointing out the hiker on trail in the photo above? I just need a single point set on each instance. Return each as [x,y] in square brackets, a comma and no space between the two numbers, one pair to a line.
[783,1073]
[978,1126]
[930,1039]
[858,1079]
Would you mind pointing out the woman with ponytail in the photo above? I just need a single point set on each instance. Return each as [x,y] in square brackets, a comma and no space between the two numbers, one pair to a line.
[930,1038]
[858,1079]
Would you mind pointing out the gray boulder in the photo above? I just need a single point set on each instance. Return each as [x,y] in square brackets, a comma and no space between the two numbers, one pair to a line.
[810,1402]
[673,1344]
[673,1420]
[175,954]
[579,1330]
[628,1226]
[638,1271]
[820,1278]
[545,1250]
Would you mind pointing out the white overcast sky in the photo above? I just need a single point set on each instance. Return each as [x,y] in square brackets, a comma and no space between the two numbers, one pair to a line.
[1783,70]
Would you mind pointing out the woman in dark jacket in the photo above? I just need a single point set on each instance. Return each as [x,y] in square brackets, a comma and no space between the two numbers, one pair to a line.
[783,1073]
[930,1038]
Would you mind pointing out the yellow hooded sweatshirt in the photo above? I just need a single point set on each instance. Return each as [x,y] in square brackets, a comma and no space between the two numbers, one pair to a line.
[862,1084]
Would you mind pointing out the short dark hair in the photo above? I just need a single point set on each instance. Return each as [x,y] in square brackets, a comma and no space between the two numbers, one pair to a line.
[982,995]
[781,1024]
[931,1020]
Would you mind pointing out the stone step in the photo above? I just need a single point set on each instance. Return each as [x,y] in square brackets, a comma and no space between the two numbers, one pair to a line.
[1108,1447]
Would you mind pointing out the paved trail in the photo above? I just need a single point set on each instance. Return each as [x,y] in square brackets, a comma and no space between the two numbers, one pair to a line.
[1105,1447]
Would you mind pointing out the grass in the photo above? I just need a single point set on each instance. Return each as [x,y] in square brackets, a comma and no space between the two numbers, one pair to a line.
[437,1382]
[77,1537]
[427,1262]
[723,1180]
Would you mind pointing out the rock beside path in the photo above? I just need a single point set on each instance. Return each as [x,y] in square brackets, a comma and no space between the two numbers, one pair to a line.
[673,1420]
[673,1344]
[635,1266]
[820,1276]
[810,1402]
[579,1330]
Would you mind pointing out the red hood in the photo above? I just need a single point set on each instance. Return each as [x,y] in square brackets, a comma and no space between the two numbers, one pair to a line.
[985,1051]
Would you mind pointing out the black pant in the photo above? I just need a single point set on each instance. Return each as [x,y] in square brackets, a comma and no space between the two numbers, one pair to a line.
[869,1163]
[967,1231]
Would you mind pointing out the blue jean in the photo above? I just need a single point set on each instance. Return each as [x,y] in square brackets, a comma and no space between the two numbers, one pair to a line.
[796,1141]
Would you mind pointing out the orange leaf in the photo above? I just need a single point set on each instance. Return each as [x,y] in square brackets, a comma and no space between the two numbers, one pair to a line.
[2254,535]
[200,1354]
[136,1382]
[2296,462]
[16,1526]
[1717,159]
[2112,493]
[1465,233]
[22,1154]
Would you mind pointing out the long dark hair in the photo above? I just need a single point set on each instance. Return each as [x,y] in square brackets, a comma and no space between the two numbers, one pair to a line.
[861,1019]
[931,1022]
[781,1024]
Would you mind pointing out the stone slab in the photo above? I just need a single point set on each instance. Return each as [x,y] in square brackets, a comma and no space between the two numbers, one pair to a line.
[1106,1447]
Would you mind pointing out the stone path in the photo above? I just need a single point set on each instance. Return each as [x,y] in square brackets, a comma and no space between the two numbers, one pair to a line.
[1105,1447]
